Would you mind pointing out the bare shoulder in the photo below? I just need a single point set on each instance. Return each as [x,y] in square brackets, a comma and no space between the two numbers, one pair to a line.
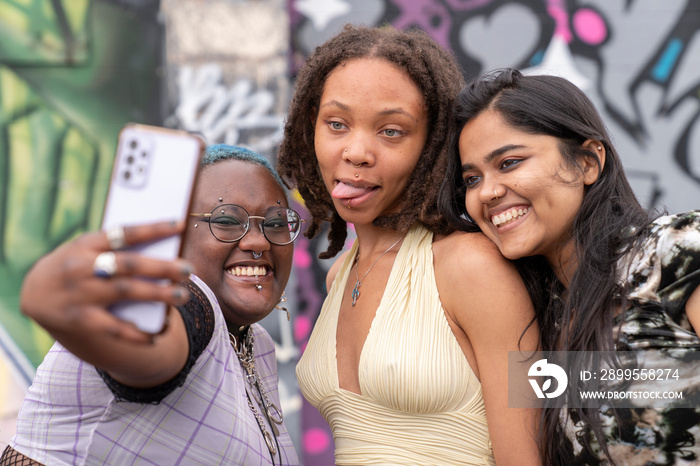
[333,271]
[471,275]
[467,253]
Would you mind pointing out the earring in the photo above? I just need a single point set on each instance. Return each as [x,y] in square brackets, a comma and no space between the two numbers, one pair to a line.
[279,306]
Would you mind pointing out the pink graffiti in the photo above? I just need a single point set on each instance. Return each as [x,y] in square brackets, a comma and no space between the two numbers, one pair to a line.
[428,15]
[302,328]
[316,441]
[589,26]
[302,258]
[432,16]
[557,10]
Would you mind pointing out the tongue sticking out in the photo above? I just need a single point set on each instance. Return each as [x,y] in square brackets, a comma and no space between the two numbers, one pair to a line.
[345,191]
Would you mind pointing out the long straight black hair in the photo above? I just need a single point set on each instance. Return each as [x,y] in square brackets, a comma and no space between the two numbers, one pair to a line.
[580,318]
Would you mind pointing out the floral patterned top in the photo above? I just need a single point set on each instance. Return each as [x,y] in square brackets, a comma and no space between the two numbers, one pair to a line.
[660,274]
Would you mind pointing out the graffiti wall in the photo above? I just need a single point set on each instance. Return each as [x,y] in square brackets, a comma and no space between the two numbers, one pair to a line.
[639,60]
[72,72]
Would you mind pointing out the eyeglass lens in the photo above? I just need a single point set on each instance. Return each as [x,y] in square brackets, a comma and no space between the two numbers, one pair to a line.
[231,222]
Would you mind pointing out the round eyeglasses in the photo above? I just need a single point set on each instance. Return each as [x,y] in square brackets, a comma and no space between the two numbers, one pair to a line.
[230,222]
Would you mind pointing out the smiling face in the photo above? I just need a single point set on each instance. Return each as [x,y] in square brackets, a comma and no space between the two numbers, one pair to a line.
[369,134]
[230,269]
[519,190]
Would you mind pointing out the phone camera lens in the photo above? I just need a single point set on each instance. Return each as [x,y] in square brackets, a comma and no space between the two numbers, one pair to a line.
[127,175]
[133,144]
[130,159]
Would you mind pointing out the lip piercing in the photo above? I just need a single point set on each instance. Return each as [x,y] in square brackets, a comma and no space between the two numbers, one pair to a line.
[258,287]
[349,204]
[257,255]
[357,175]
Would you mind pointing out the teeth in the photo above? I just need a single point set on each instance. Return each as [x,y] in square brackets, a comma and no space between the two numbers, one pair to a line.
[248,271]
[508,216]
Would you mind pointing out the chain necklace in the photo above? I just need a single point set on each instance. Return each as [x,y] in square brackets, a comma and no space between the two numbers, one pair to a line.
[358,281]
[272,412]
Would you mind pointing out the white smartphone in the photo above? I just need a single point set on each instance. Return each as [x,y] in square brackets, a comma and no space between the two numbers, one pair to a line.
[153,178]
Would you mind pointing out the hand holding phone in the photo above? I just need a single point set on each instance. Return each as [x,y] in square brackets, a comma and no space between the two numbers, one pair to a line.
[152,180]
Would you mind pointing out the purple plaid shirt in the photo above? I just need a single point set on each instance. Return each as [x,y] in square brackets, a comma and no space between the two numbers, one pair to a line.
[70,416]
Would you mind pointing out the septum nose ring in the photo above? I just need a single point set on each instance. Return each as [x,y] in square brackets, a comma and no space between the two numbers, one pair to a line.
[257,255]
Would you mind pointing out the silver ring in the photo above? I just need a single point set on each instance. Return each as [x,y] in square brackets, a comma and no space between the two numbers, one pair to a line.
[116,238]
[105,265]
[257,255]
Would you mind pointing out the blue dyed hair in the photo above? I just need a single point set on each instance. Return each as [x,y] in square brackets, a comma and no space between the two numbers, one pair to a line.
[218,152]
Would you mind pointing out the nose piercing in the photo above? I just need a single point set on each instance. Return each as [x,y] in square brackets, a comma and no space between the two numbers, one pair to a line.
[495,193]
[257,255]
[356,166]
[345,150]
[357,175]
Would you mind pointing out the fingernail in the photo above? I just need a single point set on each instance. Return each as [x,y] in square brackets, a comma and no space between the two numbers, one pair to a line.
[179,294]
[186,270]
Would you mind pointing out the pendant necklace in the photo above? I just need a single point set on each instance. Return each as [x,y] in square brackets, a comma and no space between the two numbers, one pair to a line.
[272,412]
[358,281]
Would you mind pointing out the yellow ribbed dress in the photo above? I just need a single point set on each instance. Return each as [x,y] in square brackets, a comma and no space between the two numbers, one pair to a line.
[421,403]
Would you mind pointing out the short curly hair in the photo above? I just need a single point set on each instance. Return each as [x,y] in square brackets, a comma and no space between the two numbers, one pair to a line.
[439,78]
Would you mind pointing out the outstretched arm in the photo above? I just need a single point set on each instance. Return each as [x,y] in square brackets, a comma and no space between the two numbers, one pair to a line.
[62,294]
[484,295]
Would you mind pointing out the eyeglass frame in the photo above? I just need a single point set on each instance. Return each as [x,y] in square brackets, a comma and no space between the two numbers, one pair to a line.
[207,216]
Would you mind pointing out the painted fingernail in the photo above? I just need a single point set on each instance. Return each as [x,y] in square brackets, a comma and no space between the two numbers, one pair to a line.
[179,294]
[186,270]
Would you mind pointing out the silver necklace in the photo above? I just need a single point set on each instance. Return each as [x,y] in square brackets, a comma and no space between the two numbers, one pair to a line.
[274,414]
[358,281]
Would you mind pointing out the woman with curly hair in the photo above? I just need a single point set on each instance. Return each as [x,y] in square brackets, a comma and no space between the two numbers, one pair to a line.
[408,359]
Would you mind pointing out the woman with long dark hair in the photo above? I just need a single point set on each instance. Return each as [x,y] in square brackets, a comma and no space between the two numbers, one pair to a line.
[534,168]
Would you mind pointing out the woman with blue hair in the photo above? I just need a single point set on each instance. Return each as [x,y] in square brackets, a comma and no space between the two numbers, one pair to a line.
[204,391]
